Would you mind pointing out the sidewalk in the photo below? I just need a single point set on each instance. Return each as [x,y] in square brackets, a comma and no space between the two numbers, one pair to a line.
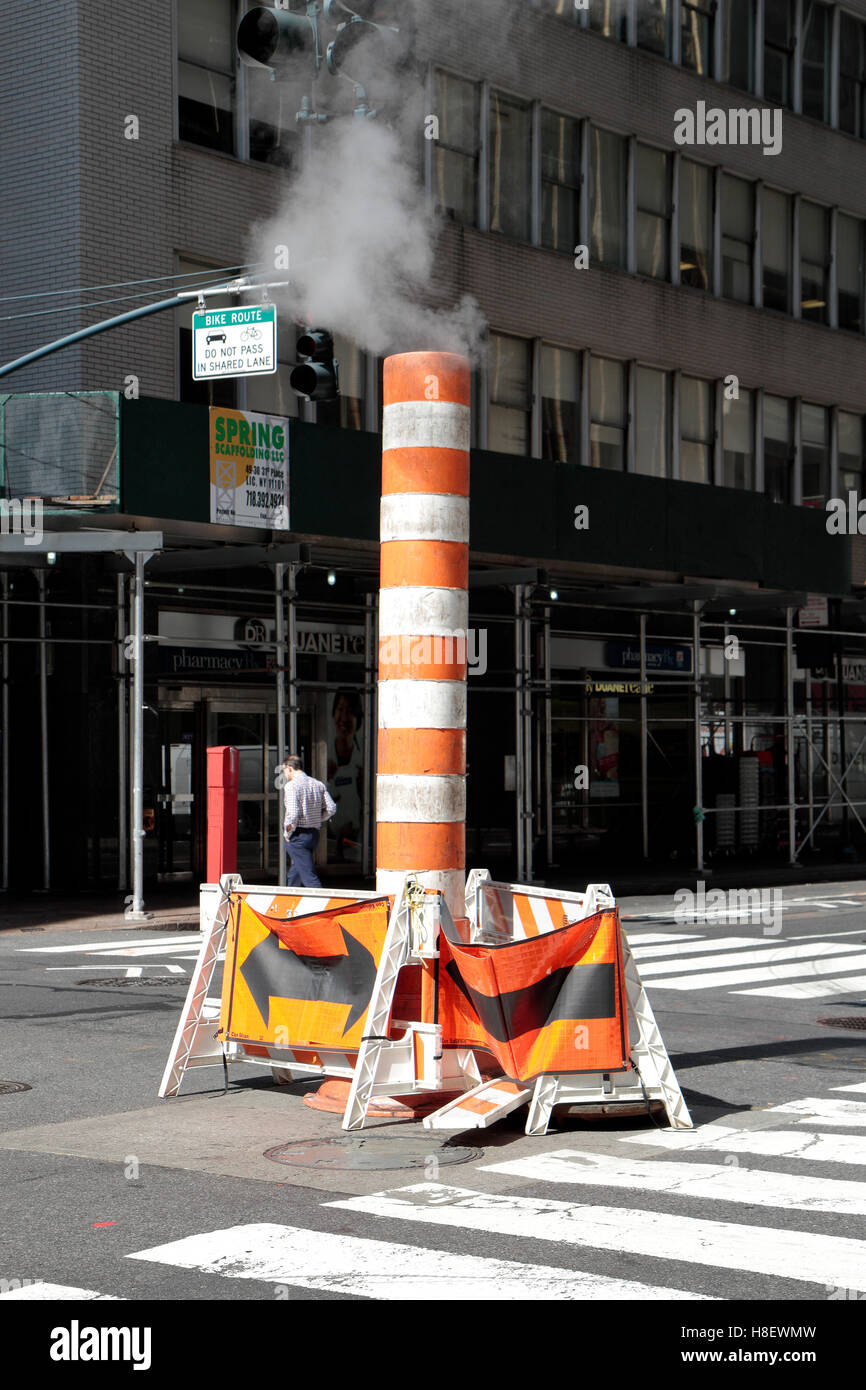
[175,911]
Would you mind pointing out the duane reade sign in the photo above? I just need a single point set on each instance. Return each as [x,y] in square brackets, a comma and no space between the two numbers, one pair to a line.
[234,342]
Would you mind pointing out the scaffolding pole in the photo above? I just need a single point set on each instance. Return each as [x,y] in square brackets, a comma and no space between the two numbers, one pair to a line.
[280,631]
[789,715]
[5,734]
[43,734]
[644,771]
[122,743]
[699,771]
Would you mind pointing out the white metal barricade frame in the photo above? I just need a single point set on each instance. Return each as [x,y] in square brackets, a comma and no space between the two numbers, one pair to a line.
[652,1077]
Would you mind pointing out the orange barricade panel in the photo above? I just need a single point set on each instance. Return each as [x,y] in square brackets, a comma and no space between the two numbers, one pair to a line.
[550,1004]
[305,981]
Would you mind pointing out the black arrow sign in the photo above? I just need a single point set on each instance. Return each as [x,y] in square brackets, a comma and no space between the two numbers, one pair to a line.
[272,971]
[573,992]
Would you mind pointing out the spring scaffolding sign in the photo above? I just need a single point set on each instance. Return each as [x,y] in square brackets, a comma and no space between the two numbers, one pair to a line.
[249,469]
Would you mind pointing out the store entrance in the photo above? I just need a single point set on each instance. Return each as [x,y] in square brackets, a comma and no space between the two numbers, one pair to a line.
[178,822]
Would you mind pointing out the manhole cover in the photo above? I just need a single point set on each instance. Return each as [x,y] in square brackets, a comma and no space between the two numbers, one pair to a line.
[370,1151]
[8,1088]
[856,1023]
[121,982]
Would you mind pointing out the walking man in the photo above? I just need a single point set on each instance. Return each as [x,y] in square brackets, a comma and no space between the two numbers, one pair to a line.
[308,804]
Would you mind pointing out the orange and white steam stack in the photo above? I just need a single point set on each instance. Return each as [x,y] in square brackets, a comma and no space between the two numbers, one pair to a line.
[423,617]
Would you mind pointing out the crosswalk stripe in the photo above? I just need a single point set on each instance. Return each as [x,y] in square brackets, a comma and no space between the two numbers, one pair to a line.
[57,1293]
[777,953]
[771,971]
[858,1086]
[383,1269]
[724,943]
[826,1111]
[769,1143]
[716,1182]
[657,938]
[809,989]
[111,946]
[815,1259]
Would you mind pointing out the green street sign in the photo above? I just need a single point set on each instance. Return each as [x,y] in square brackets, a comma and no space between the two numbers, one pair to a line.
[234,342]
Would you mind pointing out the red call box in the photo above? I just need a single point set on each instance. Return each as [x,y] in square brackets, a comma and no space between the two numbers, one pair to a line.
[222,812]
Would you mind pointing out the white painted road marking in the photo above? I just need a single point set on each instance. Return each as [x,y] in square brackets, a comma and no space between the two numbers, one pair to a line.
[815,1259]
[58,1293]
[769,1143]
[708,1181]
[382,1269]
[775,955]
[810,989]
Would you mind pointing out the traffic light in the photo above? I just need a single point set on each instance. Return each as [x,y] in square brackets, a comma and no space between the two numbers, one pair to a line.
[317,374]
[381,24]
[269,35]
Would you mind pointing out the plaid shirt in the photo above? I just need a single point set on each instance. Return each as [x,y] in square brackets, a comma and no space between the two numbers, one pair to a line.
[308,804]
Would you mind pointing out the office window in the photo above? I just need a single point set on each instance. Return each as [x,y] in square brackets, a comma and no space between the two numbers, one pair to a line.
[738,448]
[738,44]
[609,17]
[347,410]
[560,398]
[563,9]
[696,430]
[509,408]
[560,181]
[778,51]
[652,407]
[273,131]
[814,431]
[654,26]
[455,153]
[608,180]
[852,75]
[778,445]
[696,224]
[608,414]
[814,262]
[697,22]
[816,60]
[851,456]
[508,164]
[738,235]
[206,73]
[849,272]
[653,189]
[776,250]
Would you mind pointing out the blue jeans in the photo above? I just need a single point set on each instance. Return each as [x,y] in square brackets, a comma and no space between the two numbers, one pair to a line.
[301,848]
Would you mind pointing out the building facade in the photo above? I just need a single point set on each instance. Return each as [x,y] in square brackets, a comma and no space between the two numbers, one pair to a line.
[665,631]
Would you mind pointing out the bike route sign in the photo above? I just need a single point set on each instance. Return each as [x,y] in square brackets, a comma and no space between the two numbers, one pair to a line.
[234,342]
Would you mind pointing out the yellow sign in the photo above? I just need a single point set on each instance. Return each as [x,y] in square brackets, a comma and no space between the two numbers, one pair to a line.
[302,982]
[619,687]
[249,469]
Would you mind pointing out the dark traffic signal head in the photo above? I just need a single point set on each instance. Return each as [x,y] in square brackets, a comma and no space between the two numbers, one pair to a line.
[382,26]
[317,374]
[268,35]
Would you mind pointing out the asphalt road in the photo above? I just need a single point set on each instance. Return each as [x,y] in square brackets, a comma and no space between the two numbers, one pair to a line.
[107,1190]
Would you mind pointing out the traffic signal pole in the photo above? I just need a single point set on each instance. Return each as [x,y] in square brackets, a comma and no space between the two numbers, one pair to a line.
[183,296]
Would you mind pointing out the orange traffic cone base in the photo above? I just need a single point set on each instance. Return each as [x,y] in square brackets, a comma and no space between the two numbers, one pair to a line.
[332,1095]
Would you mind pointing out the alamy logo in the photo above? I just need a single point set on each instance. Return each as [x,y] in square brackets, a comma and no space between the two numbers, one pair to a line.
[757,906]
[77,1343]
[740,125]
[443,649]
[22,516]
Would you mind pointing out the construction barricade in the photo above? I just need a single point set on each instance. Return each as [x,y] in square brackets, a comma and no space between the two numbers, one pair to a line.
[540,987]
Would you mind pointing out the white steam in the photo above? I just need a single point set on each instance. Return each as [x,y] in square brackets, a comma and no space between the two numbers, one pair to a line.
[361,241]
